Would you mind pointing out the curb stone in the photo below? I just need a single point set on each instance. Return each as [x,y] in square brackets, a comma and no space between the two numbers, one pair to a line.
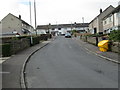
[109,59]
[22,77]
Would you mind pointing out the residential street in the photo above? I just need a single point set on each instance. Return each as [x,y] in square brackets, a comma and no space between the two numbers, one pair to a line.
[65,64]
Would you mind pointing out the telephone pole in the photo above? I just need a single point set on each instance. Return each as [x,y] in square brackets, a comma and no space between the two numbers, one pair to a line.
[35,16]
[30,23]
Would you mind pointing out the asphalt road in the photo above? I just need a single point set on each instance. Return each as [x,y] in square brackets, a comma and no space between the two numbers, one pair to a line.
[65,64]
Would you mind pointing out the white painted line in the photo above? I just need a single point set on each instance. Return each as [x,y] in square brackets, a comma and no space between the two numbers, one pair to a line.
[1,61]
[4,72]
[4,58]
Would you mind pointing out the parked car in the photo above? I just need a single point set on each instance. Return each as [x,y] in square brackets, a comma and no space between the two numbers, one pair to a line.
[68,35]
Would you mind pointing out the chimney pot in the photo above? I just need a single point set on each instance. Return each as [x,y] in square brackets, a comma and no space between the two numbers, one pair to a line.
[19,16]
[100,10]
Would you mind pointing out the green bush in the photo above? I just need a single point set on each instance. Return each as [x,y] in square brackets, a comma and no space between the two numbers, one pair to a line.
[35,40]
[6,50]
[44,37]
[115,35]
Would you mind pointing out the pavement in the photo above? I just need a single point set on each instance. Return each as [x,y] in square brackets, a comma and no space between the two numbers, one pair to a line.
[111,56]
[12,66]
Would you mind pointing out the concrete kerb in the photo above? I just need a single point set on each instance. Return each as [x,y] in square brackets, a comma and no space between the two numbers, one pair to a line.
[22,77]
[109,59]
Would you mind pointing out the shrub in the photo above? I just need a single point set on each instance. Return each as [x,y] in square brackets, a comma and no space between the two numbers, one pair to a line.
[35,40]
[115,35]
[44,37]
[6,50]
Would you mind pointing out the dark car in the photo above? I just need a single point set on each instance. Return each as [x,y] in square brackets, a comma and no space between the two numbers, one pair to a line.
[68,35]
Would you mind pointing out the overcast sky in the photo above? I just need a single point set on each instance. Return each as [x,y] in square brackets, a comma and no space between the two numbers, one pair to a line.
[56,11]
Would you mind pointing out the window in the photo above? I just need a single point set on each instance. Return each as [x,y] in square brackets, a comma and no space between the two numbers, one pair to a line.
[53,29]
[105,22]
[59,28]
[110,19]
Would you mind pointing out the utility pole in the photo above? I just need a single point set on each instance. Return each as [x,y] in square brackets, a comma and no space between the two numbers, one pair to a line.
[83,19]
[35,16]
[83,23]
[30,23]
[30,12]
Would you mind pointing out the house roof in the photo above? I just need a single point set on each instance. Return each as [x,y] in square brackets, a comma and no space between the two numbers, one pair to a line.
[63,26]
[19,19]
[117,9]
[102,12]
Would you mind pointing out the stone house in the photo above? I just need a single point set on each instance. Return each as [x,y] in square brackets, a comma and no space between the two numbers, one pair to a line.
[11,24]
[96,25]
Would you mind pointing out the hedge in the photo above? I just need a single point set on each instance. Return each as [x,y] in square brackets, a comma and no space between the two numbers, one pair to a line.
[6,50]
[44,37]
[35,40]
[115,35]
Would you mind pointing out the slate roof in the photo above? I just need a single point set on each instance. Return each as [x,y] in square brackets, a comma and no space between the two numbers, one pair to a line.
[117,9]
[102,12]
[18,18]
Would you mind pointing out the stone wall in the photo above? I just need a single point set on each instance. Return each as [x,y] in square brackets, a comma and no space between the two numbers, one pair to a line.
[114,46]
[91,40]
[19,45]
[16,45]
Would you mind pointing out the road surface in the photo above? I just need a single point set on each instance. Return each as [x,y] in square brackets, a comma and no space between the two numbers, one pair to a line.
[65,64]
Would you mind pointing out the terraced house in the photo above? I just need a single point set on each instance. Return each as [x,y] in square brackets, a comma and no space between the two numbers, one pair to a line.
[61,29]
[12,24]
[96,25]
[112,21]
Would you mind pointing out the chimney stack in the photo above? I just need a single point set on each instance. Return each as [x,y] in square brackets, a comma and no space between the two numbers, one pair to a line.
[100,11]
[19,16]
